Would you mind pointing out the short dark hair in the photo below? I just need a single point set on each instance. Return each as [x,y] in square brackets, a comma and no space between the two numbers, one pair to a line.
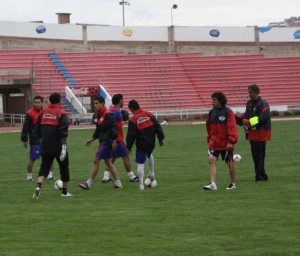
[134,105]
[38,97]
[100,99]
[54,98]
[116,99]
[254,88]
[220,96]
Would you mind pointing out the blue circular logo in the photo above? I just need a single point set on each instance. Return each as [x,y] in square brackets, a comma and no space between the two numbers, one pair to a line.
[297,34]
[214,33]
[40,29]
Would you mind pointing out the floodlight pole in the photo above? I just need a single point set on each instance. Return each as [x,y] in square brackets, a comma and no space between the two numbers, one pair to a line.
[174,6]
[123,3]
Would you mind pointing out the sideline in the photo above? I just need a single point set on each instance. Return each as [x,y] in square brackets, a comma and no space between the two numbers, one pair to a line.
[78,127]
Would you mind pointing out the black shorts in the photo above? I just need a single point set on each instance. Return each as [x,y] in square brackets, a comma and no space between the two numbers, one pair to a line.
[225,154]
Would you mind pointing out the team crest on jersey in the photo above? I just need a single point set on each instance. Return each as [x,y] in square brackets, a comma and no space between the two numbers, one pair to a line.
[49,116]
[143,119]
[222,118]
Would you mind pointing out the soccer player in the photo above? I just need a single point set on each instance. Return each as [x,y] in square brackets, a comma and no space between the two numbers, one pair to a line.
[52,127]
[121,151]
[143,127]
[222,135]
[106,131]
[34,143]
[257,118]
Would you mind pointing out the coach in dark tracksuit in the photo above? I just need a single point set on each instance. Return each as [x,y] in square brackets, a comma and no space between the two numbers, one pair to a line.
[52,127]
[258,120]
[143,128]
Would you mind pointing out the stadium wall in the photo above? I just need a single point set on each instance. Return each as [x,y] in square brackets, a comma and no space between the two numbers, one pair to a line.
[268,41]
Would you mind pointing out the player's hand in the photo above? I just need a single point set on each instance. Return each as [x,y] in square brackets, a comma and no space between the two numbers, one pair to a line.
[114,145]
[89,142]
[25,144]
[63,152]
[229,147]
[161,143]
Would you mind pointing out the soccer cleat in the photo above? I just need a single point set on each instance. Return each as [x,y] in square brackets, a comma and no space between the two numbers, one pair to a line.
[84,186]
[135,179]
[36,194]
[30,180]
[141,186]
[65,195]
[231,186]
[107,181]
[115,186]
[52,178]
[210,187]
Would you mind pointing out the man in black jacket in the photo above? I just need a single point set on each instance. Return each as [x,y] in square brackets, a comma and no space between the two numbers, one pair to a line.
[143,127]
[107,132]
[52,128]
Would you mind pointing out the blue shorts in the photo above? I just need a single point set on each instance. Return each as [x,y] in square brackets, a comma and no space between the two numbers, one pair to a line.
[35,152]
[120,151]
[104,152]
[140,157]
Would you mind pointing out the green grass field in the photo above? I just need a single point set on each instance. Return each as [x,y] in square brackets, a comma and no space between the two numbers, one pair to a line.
[176,218]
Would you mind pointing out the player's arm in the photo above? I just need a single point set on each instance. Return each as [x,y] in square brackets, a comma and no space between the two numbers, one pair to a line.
[131,135]
[25,130]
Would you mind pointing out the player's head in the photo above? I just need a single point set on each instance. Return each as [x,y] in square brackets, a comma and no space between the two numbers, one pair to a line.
[133,105]
[253,91]
[54,98]
[38,102]
[117,99]
[218,99]
[99,103]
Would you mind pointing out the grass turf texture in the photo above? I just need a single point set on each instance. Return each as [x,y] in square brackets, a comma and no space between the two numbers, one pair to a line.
[176,218]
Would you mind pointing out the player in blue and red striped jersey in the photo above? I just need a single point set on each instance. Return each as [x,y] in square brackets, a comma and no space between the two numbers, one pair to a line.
[143,127]
[28,131]
[121,151]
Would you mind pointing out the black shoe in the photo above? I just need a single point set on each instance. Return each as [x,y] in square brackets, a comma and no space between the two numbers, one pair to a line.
[135,179]
[107,181]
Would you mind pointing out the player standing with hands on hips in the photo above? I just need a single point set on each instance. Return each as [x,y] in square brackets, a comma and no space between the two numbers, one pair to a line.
[222,135]
[143,127]
[257,119]
[52,127]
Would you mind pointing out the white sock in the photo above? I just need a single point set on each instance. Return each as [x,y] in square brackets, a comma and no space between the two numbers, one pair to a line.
[106,175]
[118,183]
[29,175]
[50,175]
[90,182]
[214,184]
[140,172]
[151,165]
[131,174]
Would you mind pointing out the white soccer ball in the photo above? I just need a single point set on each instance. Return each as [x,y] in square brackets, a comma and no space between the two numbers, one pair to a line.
[147,182]
[153,183]
[58,185]
[237,158]
[150,183]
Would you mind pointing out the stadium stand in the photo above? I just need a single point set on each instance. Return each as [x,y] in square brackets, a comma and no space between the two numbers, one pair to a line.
[160,81]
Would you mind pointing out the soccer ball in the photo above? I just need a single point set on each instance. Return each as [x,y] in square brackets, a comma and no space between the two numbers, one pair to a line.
[150,183]
[58,185]
[237,158]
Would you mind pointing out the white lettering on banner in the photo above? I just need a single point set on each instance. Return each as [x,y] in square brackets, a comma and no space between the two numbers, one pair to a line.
[80,91]
[143,119]
[49,116]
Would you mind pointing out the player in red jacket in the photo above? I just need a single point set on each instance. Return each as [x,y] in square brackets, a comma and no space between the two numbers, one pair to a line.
[257,119]
[222,135]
